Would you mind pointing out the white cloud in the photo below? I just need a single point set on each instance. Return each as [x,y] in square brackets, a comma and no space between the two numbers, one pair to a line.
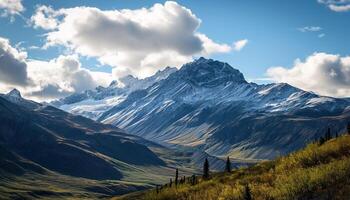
[337,5]
[44,18]
[340,8]
[209,46]
[44,80]
[310,29]
[11,7]
[129,40]
[325,74]
[239,45]
[61,76]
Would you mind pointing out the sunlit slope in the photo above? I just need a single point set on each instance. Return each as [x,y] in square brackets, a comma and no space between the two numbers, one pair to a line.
[316,172]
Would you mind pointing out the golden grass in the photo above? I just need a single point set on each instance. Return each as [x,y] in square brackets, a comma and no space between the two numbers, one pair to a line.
[316,172]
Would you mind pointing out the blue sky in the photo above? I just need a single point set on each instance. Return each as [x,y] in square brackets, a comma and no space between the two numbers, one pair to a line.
[273,29]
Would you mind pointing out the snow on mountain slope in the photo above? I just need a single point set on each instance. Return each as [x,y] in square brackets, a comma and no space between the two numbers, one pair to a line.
[92,103]
[209,105]
[15,96]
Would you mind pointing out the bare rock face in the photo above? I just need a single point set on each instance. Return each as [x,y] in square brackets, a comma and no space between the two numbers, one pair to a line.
[14,93]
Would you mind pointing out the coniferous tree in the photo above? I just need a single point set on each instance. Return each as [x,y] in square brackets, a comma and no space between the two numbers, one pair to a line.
[348,128]
[170,182]
[328,135]
[193,181]
[206,169]
[228,165]
[247,194]
[321,141]
[176,177]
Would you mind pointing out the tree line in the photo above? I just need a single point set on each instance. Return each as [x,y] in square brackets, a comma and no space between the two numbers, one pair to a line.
[328,135]
[193,180]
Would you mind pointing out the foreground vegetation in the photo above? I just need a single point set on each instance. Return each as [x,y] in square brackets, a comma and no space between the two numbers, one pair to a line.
[320,171]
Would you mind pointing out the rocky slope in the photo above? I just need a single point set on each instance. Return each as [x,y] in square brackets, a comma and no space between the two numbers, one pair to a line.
[209,105]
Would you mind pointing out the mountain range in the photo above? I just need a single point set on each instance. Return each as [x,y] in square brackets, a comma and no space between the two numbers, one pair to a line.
[69,155]
[72,156]
[208,105]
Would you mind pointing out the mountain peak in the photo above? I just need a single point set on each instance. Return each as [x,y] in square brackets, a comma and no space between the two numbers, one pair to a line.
[14,93]
[15,96]
[114,83]
[128,80]
[203,60]
[168,69]
[162,74]
[210,72]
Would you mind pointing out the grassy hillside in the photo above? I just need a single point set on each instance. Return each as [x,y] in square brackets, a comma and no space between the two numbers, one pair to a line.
[47,153]
[316,172]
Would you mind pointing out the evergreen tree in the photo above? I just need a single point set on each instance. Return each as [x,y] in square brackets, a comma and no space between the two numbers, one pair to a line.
[247,194]
[348,128]
[321,141]
[176,177]
[206,169]
[170,182]
[193,179]
[228,165]
[328,135]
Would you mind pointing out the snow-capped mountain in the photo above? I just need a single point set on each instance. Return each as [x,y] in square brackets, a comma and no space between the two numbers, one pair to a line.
[208,104]
[92,103]
[15,97]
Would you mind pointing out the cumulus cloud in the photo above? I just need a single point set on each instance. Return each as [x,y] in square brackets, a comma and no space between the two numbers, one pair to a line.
[62,76]
[44,80]
[209,46]
[13,68]
[129,40]
[49,91]
[323,73]
[337,5]
[11,7]
[240,44]
[44,18]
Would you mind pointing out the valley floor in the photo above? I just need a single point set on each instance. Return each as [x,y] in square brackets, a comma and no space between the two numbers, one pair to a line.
[320,171]
[22,179]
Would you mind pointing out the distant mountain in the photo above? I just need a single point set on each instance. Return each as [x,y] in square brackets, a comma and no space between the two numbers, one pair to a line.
[209,105]
[15,96]
[43,140]
[92,103]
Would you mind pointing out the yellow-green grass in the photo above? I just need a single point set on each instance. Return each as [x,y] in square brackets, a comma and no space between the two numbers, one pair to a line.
[56,186]
[316,172]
